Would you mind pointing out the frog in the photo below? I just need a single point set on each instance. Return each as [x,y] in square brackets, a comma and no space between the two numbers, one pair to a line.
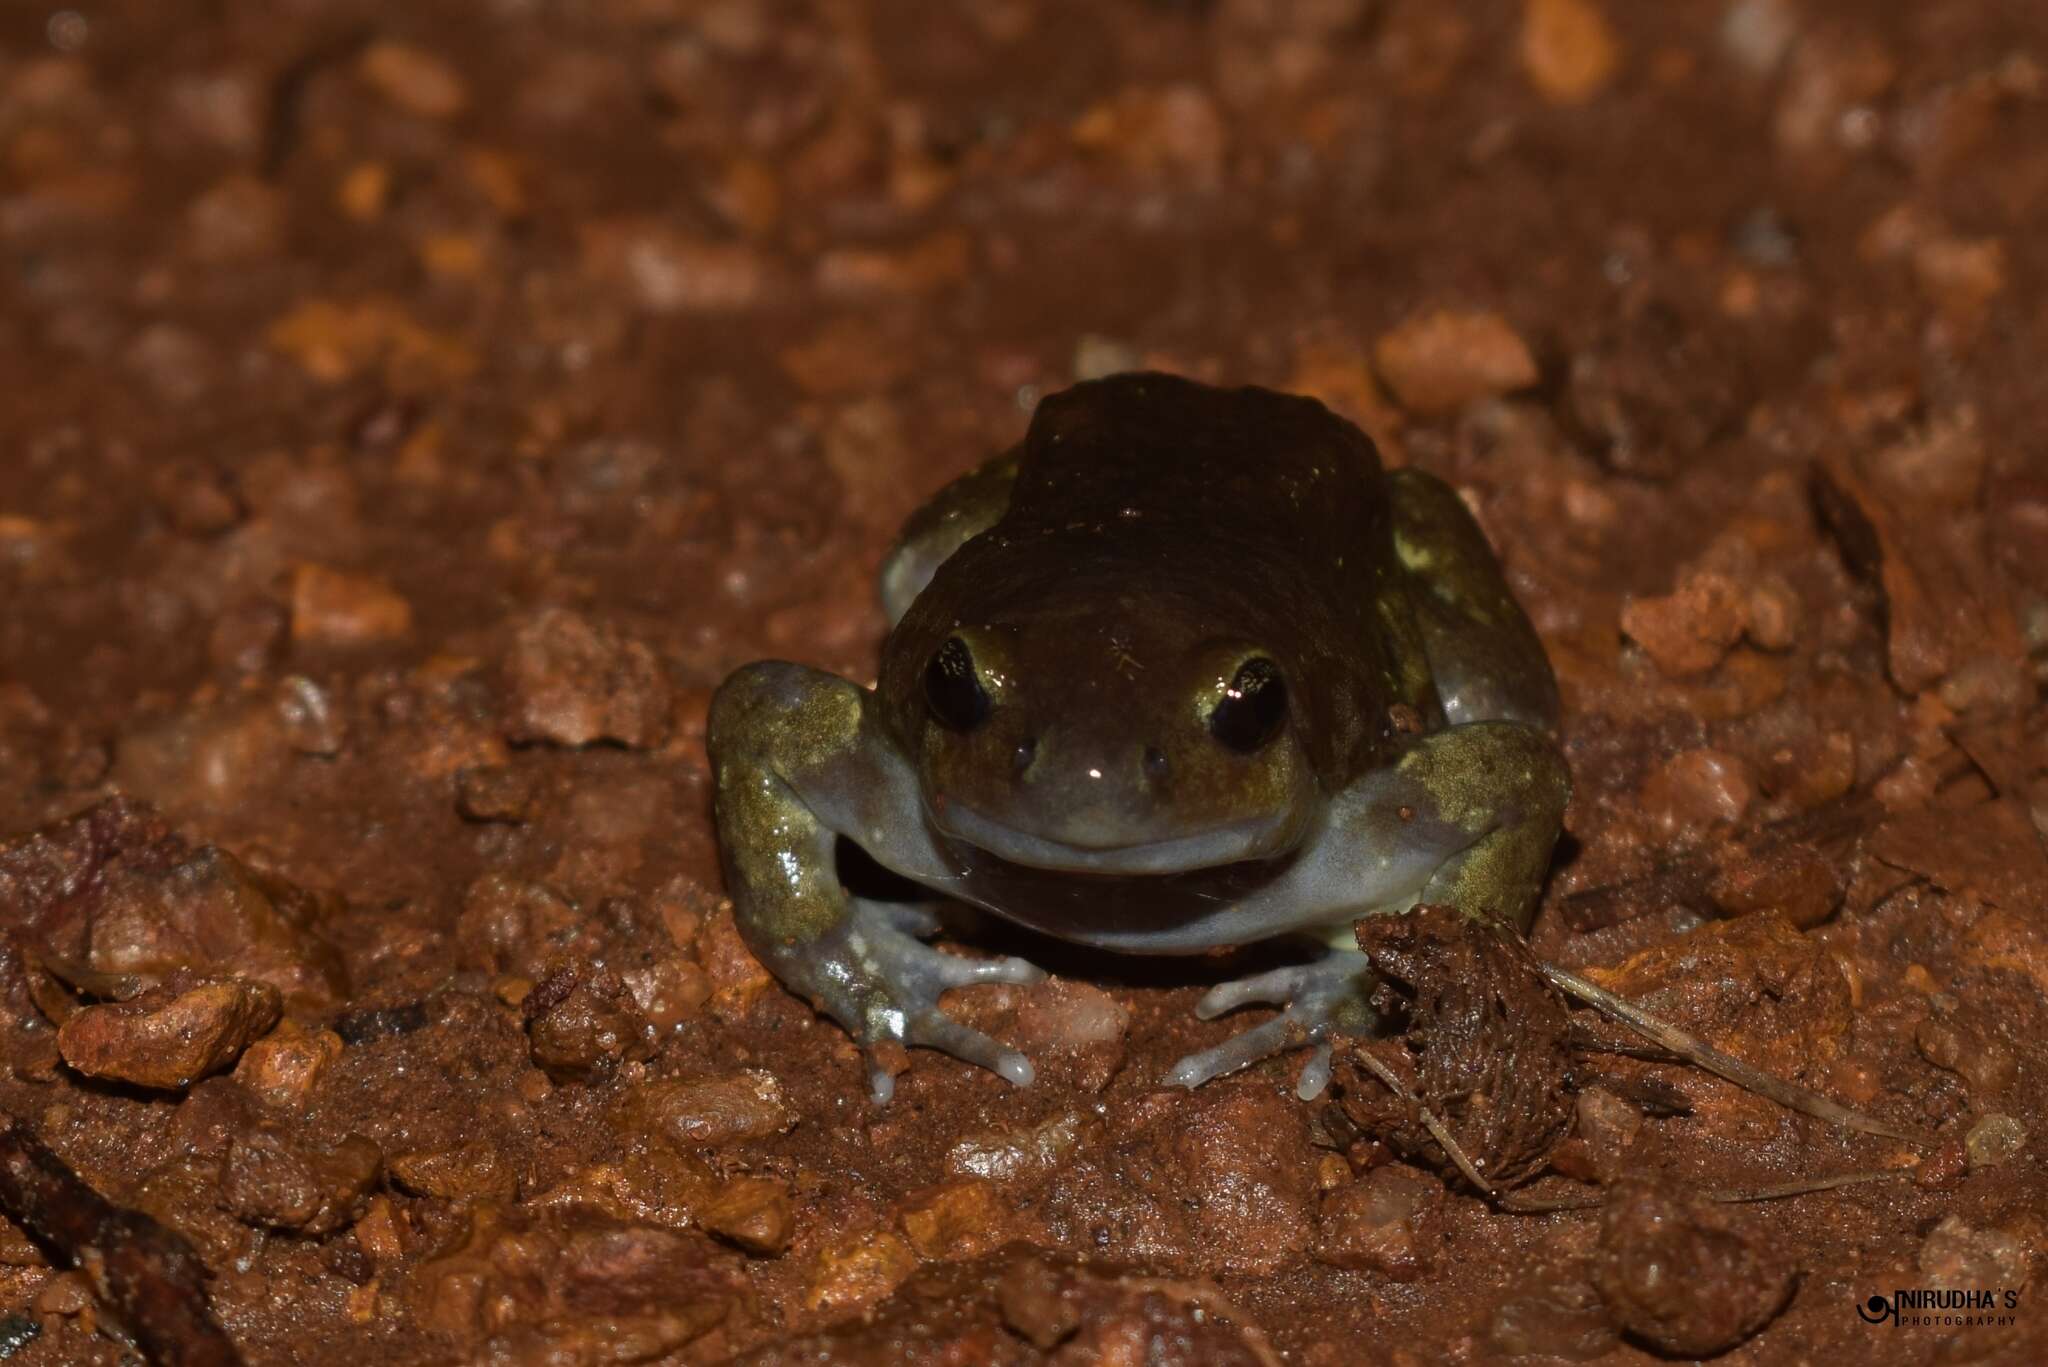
[1187,668]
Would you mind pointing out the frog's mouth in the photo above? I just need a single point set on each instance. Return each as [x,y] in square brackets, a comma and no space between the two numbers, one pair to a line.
[1232,843]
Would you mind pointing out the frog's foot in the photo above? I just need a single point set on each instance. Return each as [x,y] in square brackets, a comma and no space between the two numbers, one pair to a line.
[1319,1001]
[899,979]
[912,918]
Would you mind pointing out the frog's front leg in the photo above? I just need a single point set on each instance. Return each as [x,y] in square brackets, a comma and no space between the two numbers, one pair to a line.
[1465,817]
[961,511]
[800,757]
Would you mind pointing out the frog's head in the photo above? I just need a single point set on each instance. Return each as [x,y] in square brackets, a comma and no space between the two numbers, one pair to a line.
[1119,743]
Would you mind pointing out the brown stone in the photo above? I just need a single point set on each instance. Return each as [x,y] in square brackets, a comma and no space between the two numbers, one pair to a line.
[1568,49]
[957,1220]
[727,1108]
[164,907]
[272,1181]
[1035,1301]
[583,1023]
[1389,1221]
[574,1286]
[1695,790]
[169,1037]
[509,925]
[1075,1031]
[1608,1124]
[859,1271]
[334,608]
[1558,1314]
[1685,1275]
[413,79]
[737,977]
[284,1066]
[574,681]
[494,792]
[753,1212]
[475,1171]
[1688,630]
[1958,1255]
[1440,360]
[1785,876]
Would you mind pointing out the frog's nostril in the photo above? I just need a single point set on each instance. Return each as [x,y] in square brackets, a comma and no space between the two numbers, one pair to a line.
[1021,757]
[1157,766]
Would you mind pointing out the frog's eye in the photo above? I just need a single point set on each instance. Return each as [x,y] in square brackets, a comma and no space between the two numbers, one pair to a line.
[1252,706]
[952,689]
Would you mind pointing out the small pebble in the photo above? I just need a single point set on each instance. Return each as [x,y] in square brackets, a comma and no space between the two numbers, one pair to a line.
[1035,1303]
[284,1066]
[957,1220]
[333,608]
[1568,49]
[752,1212]
[167,1038]
[1956,1254]
[1687,631]
[715,1111]
[1686,1276]
[575,681]
[1697,788]
[275,1183]
[1389,1221]
[1439,361]
[1609,1124]
[494,792]
[1994,1139]
[582,1023]
[473,1171]
[313,725]
[1559,1316]
[859,1271]
[414,80]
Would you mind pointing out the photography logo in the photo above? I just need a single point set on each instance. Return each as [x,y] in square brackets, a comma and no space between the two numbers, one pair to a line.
[1946,1307]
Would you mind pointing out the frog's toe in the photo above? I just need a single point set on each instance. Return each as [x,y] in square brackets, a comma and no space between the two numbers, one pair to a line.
[936,1030]
[916,976]
[1239,1051]
[958,972]
[1276,987]
[1318,1000]
[919,919]
[1315,1074]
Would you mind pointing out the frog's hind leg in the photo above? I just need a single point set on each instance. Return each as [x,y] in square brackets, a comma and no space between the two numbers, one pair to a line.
[1466,817]
[1485,657]
[958,513]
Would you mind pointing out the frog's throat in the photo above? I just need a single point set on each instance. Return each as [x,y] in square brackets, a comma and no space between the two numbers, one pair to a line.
[1232,843]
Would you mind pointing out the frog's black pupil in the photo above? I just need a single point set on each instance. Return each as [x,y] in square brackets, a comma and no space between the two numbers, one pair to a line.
[952,689]
[1251,709]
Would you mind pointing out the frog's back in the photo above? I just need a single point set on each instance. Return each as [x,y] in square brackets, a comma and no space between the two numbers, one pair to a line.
[1200,513]
[1264,469]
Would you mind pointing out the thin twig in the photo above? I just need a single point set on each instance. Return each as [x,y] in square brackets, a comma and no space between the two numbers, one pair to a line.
[147,1277]
[1805,1185]
[1698,1051]
[1517,1203]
